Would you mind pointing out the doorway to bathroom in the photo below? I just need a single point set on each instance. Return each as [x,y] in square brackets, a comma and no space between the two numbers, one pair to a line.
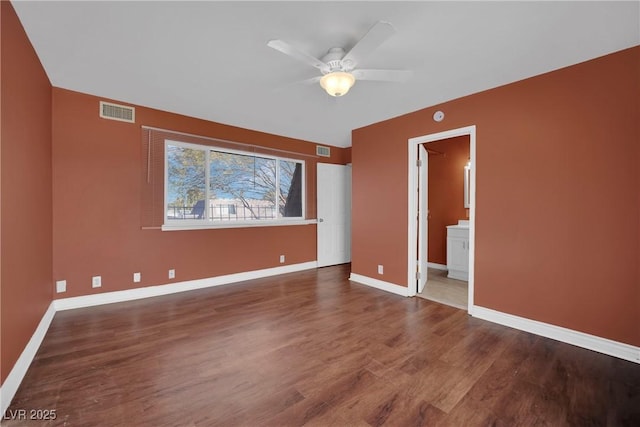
[440,163]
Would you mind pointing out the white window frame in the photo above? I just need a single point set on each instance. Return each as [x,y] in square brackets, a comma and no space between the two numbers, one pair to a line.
[206,222]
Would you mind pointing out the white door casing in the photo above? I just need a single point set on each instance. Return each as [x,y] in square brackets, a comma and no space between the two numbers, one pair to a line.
[423,217]
[412,210]
[334,214]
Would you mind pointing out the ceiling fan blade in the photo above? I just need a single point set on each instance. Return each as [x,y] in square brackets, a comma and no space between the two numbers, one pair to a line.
[287,49]
[310,81]
[382,75]
[376,35]
[306,82]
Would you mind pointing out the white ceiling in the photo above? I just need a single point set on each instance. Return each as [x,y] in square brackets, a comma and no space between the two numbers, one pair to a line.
[210,59]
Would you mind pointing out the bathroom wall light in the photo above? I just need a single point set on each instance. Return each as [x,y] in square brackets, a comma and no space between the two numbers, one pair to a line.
[467,185]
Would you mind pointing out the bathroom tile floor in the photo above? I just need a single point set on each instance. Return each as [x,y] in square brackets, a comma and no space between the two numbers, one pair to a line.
[447,291]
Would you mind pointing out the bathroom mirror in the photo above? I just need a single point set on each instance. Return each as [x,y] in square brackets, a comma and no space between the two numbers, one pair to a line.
[467,177]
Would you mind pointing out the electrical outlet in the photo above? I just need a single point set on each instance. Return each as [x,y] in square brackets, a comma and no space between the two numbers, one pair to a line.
[136,277]
[61,286]
[96,281]
[380,269]
[281,259]
[172,274]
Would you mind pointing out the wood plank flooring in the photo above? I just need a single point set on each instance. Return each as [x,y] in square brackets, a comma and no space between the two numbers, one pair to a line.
[313,349]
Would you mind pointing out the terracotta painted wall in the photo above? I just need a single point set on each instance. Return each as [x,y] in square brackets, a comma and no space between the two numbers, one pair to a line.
[97,169]
[25,190]
[347,155]
[446,192]
[558,195]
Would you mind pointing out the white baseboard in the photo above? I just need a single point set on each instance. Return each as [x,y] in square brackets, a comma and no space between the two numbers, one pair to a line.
[558,333]
[380,284]
[15,377]
[172,288]
[436,266]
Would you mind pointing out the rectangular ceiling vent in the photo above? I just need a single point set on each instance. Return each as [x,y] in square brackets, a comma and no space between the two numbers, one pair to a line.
[323,151]
[117,112]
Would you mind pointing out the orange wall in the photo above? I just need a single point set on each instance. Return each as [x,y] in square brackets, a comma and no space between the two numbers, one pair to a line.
[446,192]
[558,195]
[97,169]
[25,190]
[347,155]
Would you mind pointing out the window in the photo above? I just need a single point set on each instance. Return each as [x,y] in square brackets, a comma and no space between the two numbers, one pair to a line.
[208,185]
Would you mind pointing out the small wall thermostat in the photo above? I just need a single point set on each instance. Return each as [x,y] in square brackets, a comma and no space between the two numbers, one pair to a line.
[438,116]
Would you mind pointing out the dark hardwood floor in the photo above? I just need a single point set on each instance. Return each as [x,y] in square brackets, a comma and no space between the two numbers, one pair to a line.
[313,349]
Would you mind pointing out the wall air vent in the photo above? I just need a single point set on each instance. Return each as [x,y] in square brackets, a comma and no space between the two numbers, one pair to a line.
[323,151]
[117,112]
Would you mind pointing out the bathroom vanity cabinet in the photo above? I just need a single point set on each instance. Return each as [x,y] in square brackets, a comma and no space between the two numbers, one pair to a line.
[458,251]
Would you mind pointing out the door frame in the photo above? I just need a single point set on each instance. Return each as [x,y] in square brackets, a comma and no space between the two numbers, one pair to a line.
[423,217]
[413,191]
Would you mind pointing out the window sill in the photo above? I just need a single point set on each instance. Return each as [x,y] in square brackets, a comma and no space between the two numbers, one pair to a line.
[209,226]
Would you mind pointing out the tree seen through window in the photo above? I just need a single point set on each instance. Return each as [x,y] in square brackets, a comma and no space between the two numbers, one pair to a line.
[241,186]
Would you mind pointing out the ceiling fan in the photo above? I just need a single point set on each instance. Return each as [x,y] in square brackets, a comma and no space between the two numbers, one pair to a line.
[339,72]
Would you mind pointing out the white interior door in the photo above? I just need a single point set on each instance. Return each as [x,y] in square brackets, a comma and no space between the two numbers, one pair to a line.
[423,216]
[334,214]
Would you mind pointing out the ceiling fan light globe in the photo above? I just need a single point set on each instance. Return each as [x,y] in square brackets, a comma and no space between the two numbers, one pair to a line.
[337,83]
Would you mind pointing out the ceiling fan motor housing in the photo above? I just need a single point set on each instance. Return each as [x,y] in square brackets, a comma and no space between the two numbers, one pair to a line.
[333,59]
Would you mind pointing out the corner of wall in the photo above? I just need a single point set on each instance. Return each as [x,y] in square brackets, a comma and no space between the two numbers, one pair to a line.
[25,209]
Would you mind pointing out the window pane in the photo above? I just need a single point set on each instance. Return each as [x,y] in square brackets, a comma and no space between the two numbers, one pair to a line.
[242,187]
[186,183]
[290,203]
